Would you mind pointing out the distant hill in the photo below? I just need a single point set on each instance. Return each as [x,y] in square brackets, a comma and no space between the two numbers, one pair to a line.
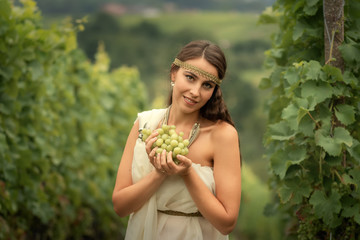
[81,7]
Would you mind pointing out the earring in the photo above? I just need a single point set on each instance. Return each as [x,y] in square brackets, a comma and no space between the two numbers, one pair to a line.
[172,84]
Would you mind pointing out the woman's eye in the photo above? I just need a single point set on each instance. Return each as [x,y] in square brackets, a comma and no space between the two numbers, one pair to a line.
[208,85]
[189,77]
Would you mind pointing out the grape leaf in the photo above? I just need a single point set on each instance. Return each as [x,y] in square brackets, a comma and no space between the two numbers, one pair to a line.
[333,72]
[291,75]
[352,211]
[325,207]
[290,114]
[354,150]
[285,194]
[318,90]
[333,145]
[310,8]
[355,175]
[294,190]
[299,29]
[284,158]
[345,113]
[312,70]
[280,131]
[342,135]
[349,52]
[349,78]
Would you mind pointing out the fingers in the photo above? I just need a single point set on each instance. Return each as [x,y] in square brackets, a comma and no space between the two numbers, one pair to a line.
[150,141]
[184,161]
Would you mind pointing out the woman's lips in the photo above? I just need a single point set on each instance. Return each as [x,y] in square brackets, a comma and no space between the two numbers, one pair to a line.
[189,101]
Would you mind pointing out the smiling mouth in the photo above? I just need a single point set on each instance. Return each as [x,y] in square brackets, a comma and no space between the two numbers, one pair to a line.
[189,101]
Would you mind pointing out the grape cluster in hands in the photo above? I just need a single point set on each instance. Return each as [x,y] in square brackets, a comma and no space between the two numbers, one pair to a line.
[169,140]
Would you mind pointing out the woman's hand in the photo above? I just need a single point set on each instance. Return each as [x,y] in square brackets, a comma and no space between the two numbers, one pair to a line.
[164,163]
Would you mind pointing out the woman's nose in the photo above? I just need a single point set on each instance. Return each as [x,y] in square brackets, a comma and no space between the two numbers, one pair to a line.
[195,90]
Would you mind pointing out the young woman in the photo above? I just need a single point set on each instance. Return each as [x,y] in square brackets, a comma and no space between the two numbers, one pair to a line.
[199,197]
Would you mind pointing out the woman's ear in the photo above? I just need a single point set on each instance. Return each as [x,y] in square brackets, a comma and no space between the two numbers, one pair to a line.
[172,76]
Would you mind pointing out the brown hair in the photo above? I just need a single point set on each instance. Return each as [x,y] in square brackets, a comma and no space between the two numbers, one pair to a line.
[215,108]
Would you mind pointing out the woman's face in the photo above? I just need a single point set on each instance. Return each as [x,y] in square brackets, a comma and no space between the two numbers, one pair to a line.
[191,91]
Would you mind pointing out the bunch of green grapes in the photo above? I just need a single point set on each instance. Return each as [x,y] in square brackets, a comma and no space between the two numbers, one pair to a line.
[169,140]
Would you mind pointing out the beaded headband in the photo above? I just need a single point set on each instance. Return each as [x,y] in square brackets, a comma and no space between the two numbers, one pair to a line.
[197,70]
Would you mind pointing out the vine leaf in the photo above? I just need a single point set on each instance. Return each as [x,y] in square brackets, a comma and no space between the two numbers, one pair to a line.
[325,207]
[355,178]
[312,70]
[352,211]
[294,189]
[354,150]
[296,110]
[310,8]
[350,52]
[280,131]
[318,90]
[284,158]
[349,78]
[333,145]
[299,29]
[291,75]
[345,113]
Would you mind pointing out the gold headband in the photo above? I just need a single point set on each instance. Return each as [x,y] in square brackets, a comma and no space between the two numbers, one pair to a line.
[197,70]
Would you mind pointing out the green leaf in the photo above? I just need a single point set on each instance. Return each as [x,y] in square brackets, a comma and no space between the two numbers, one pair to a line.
[350,52]
[352,211]
[294,190]
[306,126]
[296,110]
[290,114]
[355,175]
[284,158]
[341,135]
[327,143]
[325,207]
[345,113]
[285,194]
[310,7]
[333,145]
[333,73]
[312,70]
[318,90]
[354,150]
[350,79]
[280,131]
[291,75]
[299,29]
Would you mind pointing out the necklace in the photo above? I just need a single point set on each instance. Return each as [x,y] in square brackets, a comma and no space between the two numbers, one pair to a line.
[195,130]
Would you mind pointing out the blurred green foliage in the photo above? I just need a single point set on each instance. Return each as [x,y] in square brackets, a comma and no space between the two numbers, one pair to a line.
[312,136]
[91,6]
[63,122]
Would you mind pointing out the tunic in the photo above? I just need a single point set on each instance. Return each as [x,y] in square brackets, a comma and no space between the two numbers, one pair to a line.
[149,224]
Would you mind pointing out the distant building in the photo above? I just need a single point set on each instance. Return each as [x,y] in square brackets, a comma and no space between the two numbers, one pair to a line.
[115,9]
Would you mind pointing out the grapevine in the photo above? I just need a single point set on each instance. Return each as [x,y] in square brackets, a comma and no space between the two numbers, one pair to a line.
[312,137]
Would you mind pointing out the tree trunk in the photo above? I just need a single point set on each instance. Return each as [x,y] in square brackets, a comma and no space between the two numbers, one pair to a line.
[334,31]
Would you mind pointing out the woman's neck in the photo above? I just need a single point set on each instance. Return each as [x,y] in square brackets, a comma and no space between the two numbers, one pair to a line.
[181,119]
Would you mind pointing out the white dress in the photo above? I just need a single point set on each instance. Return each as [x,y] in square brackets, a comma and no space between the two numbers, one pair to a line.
[149,224]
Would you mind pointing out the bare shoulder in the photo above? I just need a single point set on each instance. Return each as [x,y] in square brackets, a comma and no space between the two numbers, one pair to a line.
[224,132]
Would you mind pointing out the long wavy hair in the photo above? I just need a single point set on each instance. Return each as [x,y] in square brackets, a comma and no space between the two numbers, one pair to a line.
[215,108]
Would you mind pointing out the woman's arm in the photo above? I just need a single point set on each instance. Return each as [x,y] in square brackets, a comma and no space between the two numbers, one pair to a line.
[128,197]
[221,210]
